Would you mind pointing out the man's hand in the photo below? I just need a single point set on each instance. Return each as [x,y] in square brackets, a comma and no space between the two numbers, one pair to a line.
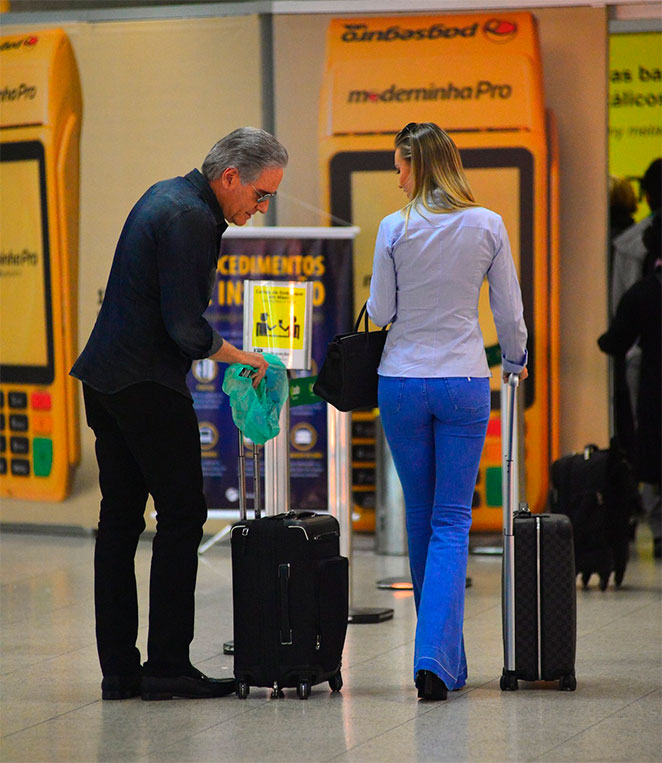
[256,359]
[228,353]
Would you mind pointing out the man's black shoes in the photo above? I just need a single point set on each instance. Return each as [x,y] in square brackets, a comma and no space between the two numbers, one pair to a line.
[193,685]
[120,687]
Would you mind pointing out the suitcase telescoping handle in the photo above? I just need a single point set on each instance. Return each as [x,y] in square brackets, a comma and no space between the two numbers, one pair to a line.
[242,478]
[510,502]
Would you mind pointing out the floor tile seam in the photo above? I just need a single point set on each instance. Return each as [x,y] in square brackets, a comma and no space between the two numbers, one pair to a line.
[597,723]
[152,750]
[34,575]
[48,720]
[27,666]
[630,614]
[379,654]
[24,619]
[433,706]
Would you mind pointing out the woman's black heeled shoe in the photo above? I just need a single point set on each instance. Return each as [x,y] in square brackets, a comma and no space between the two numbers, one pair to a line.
[430,686]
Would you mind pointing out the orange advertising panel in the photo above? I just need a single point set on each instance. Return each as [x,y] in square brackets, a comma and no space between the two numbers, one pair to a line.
[481,72]
[40,114]
[479,77]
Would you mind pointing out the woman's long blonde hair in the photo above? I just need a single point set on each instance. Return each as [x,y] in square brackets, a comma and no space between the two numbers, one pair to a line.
[440,184]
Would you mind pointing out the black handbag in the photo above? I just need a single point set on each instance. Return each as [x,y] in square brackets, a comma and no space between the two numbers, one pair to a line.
[348,377]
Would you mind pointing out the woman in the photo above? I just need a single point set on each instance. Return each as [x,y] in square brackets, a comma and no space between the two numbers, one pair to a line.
[434,397]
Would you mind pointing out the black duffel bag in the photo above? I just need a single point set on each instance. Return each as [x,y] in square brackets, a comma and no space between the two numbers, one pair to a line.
[597,490]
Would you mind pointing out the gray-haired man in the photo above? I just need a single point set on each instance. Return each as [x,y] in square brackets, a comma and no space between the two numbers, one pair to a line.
[133,368]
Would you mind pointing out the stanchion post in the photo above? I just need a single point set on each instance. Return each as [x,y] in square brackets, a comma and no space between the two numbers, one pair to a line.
[339,461]
[339,479]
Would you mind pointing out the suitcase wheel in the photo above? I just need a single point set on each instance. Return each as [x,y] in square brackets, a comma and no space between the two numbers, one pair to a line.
[568,682]
[335,682]
[508,682]
[242,689]
[303,689]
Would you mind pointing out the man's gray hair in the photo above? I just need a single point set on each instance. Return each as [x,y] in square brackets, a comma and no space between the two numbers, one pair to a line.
[249,149]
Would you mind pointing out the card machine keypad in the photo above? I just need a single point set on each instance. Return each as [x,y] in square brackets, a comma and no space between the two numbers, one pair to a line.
[25,427]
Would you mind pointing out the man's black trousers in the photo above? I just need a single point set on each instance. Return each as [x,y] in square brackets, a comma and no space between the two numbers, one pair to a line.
[147,442]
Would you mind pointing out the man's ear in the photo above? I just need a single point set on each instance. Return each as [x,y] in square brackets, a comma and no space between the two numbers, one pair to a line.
[230,177]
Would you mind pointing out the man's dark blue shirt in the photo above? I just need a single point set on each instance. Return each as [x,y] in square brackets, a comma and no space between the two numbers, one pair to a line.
[151,325]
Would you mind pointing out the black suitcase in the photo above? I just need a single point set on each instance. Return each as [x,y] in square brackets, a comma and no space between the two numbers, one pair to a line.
[539,591]
[290,590]
[597,490]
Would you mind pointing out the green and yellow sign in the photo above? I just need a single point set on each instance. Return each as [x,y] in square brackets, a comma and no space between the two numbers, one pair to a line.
[635,106]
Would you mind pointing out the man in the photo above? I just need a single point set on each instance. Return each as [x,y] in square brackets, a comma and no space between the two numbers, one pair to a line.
[638,320]
[133,369]
[629,263]
[629,249]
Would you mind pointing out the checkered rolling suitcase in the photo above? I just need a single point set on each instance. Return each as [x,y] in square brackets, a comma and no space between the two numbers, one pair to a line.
[539,590]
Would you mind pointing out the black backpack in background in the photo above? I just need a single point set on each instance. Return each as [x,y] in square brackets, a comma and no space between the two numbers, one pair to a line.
[597,490]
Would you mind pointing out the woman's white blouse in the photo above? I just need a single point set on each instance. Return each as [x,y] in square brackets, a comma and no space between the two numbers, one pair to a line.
[426,281]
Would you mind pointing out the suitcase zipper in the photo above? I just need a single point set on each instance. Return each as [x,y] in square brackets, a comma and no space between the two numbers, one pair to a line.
[285,627]
[539,598]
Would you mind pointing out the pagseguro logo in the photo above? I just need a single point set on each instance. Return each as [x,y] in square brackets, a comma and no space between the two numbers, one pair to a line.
[498,30]
[24,42]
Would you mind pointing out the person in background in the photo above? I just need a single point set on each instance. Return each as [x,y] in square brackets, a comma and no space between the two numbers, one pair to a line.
[629,249]
[622,206]
[628,267]
[434,396]
[133,368]
[638,320]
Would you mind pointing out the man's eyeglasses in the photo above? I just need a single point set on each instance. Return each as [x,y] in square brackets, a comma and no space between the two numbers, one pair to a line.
[263,195]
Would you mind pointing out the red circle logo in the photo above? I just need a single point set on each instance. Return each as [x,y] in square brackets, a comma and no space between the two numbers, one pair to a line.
[30,41]
[499,30]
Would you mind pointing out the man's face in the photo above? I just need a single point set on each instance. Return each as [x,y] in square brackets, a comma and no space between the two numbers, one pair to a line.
[239,200]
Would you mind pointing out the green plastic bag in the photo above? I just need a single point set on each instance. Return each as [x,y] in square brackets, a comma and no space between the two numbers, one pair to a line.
[255,411]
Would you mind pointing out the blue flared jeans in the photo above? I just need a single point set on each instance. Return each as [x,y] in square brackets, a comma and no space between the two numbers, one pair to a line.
[436,429]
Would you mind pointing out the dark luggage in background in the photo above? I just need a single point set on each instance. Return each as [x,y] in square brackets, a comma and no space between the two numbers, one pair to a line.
[539,590]
[597,490]
[290,599]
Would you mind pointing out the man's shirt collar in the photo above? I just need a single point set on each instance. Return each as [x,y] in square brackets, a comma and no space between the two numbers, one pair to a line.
[199,181]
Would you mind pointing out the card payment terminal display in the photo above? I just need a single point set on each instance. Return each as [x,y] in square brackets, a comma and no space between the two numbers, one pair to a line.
[26,332]
[26,335]
[364,189]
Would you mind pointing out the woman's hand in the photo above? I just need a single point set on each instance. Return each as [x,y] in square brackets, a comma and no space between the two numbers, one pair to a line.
[522,375]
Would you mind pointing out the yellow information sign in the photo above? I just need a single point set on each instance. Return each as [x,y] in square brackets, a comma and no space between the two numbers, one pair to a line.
[278,315]
[635,106]
[277,319]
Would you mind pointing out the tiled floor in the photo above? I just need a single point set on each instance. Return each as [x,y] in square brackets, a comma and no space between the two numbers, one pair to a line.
[50,695]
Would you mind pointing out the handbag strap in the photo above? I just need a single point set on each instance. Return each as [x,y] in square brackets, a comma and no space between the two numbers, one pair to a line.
[364,314]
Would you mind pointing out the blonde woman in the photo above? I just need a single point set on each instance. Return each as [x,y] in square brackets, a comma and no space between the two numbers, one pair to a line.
[434,399]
